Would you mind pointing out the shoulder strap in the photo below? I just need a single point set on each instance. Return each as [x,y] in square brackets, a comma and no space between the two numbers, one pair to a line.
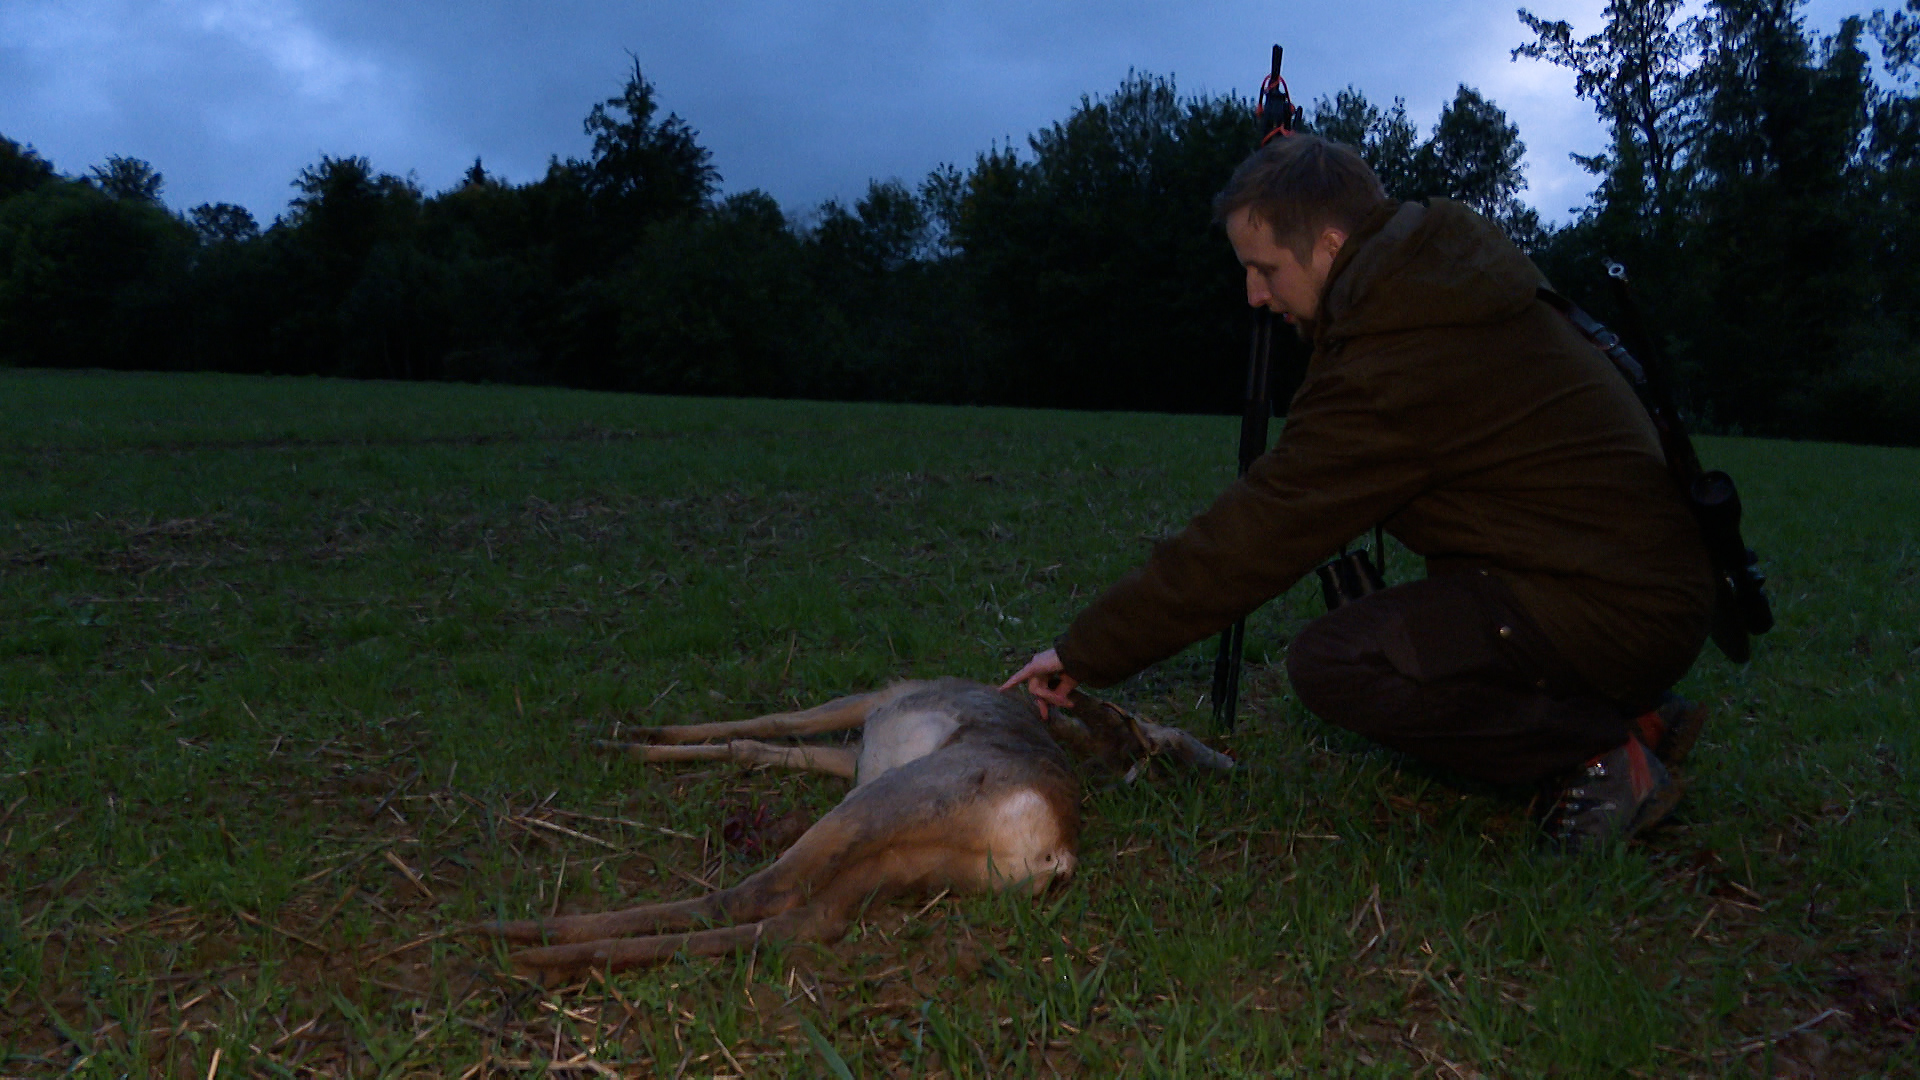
[1596,332]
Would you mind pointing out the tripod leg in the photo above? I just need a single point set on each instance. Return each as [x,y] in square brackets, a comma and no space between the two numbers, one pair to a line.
[1258,408]
[1226,675]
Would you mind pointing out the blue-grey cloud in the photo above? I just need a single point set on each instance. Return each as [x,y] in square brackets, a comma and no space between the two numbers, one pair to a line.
[231,98]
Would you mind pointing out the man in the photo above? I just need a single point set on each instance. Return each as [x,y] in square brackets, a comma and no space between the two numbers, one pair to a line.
[1567,587]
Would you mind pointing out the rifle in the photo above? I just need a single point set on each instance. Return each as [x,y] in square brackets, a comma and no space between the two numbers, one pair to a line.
[1277,116]
[1740,607]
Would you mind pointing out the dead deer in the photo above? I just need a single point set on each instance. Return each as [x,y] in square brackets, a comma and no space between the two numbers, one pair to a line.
[957,786]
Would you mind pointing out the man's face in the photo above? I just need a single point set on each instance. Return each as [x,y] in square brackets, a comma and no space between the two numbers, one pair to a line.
[1276,278]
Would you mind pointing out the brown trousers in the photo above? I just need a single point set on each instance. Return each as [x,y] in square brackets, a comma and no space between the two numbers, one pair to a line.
[1452,671]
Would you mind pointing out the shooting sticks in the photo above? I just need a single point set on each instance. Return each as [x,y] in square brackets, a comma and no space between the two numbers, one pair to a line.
[1277,116]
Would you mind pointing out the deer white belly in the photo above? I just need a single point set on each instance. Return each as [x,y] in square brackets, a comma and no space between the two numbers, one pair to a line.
[894,739]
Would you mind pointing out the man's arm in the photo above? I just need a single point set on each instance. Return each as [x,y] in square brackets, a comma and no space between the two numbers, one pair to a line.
[1344,462]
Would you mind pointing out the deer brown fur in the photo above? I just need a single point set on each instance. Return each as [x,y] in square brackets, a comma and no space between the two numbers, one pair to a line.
[957,786]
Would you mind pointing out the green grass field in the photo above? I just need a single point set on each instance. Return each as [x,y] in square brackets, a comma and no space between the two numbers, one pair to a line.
[297,675]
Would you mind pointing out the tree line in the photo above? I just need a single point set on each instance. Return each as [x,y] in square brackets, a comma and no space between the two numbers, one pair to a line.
[1759,182]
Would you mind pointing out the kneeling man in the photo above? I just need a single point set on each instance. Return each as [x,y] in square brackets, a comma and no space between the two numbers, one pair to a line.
[1567,586]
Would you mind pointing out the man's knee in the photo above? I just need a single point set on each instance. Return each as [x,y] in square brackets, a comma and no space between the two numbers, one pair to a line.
[1309,660]
[1335,670]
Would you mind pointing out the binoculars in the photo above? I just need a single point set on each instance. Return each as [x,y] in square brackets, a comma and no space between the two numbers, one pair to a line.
[1348,578]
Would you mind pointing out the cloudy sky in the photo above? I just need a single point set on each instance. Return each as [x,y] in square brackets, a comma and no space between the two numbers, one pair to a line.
[231,98]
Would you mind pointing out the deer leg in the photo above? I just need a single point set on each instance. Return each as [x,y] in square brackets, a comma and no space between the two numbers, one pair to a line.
[839,714]
[558,964]
[832,760]
[825,921]
[825,918]
[648,919]
[813,867]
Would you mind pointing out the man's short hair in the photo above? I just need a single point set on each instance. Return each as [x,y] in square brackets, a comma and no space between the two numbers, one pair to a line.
[1301,185]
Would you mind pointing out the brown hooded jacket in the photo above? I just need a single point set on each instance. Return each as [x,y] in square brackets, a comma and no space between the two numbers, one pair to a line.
[1445,400]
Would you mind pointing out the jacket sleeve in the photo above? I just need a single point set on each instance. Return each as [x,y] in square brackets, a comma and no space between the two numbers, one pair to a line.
[1345,461]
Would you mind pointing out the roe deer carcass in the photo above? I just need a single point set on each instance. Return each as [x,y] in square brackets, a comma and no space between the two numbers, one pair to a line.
[957,786]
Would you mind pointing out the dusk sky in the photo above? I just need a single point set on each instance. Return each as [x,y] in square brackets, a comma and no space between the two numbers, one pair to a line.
[229,99]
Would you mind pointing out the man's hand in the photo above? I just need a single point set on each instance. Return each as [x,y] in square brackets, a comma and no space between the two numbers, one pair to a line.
[1046,680]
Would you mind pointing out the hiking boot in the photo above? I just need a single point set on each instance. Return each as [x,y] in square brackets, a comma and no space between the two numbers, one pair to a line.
[1612,797]
[1671,728]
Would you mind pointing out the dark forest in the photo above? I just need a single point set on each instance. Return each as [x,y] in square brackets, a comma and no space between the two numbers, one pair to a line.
[1760,181]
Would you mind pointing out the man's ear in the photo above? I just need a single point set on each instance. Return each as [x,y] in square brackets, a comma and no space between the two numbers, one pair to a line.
[1332,240]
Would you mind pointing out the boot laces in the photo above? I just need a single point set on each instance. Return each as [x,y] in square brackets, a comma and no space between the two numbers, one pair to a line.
[1574,800]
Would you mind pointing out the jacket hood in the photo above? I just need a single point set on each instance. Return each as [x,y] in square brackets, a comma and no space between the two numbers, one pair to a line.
[1416,266]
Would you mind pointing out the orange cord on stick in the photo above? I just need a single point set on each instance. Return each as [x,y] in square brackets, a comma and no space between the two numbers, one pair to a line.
[1276,108]
[1268,88]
